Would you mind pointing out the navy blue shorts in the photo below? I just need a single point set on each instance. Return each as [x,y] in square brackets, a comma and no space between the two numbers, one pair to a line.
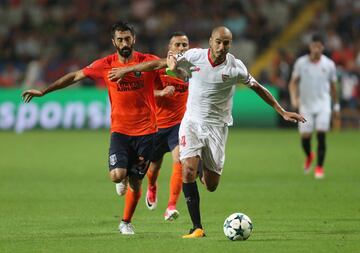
[166,139]
[125,150]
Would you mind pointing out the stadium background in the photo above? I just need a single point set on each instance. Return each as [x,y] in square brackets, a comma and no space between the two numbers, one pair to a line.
[54,191]
[42,40]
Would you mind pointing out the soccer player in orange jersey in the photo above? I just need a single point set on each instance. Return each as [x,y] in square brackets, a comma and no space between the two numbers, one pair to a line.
[170,98]
[133,114]
[170,110]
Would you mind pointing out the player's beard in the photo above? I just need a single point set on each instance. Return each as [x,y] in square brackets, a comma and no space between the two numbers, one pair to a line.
[125,51]
[221,56]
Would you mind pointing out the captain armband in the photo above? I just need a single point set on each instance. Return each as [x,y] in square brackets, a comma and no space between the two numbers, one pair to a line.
[249,80]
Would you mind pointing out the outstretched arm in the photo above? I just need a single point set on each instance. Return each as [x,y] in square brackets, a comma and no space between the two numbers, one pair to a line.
[61,83]
[269,99]
[116,74]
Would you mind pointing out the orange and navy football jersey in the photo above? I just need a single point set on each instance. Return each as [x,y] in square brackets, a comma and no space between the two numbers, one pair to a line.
[133,109]
[170,109]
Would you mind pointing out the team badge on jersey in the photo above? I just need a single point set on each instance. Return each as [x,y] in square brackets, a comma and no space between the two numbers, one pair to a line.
[112,159]
[137,74]
[225,77]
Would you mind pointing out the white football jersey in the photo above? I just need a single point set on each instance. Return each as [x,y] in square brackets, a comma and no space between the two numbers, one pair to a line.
[212,87]
[314,83]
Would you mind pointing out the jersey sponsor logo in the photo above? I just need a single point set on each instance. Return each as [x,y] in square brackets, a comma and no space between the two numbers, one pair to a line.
[130,86]
[112,159]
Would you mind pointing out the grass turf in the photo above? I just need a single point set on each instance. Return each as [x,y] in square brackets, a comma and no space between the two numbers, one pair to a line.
[55,196]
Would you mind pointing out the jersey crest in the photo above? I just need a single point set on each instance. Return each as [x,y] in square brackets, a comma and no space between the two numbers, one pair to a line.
[225,77]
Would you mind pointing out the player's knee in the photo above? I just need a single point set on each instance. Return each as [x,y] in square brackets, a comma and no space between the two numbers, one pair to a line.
[189,172]
[154,167]
[188,175]
[117,175]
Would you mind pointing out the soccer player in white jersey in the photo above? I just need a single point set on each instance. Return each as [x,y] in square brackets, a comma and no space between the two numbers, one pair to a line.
[213,74]
[203,131]
[312,86]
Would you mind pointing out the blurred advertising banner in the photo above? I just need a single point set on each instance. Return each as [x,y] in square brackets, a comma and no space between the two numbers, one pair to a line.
[88,108]
[249,110]
[75,108]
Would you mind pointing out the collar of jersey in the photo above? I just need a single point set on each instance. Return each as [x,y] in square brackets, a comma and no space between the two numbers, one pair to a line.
[211,62]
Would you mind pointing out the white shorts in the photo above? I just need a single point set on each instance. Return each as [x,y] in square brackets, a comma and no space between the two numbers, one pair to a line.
[319,121]
[203,140]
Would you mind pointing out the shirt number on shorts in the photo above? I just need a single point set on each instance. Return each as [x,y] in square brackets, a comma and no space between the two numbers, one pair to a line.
[182,141]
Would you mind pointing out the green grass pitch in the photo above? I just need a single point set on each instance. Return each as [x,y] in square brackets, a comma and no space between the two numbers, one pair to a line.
[56,196]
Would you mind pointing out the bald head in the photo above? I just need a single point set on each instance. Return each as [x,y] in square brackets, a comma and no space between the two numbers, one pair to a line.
[221,31]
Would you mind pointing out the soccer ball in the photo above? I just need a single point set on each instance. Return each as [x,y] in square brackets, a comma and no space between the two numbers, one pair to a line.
[237,226]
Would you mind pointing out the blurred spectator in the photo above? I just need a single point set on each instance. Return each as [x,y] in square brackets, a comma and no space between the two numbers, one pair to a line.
[333,40]
[276,12]
[10,76]
[281,69]
[349,84]
[35,73]
[343,54]
[280,74]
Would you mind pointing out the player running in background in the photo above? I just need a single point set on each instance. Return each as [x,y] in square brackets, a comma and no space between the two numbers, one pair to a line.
[170,99]
[312,85]
[133,115]
[203,131]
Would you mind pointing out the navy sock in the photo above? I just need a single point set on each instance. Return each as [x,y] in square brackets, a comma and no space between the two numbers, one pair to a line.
[192,199]
[306,145]
[321,148]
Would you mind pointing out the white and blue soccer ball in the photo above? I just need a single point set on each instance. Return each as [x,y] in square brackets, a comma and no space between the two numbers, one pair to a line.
[237,226]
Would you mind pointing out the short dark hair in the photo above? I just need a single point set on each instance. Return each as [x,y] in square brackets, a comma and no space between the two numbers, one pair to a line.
[317,38]
[122,26]
[177,33]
